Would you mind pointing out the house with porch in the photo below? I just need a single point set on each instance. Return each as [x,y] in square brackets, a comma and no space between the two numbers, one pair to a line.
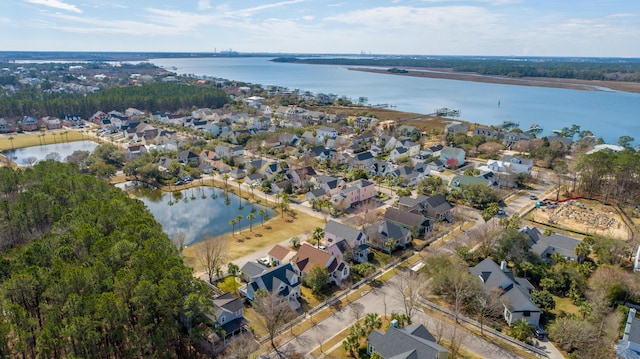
[229,321]
[281,280]
[309,256]
[346,242]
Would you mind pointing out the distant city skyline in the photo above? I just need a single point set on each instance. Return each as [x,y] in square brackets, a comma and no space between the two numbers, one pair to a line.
[591,28]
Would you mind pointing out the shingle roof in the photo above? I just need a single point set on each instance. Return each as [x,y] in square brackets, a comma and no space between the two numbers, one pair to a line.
[252,269]
[343,231]
[279,252]
[439,203]
[404,217]
[308,256]
[558,243]
[409,342]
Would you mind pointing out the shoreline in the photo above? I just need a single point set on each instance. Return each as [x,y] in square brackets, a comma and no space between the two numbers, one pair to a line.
[570,84]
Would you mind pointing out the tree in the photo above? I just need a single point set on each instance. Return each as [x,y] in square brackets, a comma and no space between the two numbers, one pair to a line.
[318,235]
[582,250]
[262,213]
[390,245]
[295,241]
[233,223]
[241,347]
[543,299]
[225,178]
[239,219]
[273,313]
[233,271]
[522,330]
[251,217]
[318,279]
[625,140]
[452,163]
[409,286]
[371,321]
[491,211]
[488,305]
[213,253]
[11,138]
[356,309]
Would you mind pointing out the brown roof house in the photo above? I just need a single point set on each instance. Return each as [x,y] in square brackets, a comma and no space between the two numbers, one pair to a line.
[309,256]
[280,255]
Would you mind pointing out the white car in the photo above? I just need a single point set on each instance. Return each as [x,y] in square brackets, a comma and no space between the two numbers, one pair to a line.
[264,261]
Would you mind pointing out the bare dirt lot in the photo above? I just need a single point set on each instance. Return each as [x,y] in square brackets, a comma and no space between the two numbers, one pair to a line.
[585,216]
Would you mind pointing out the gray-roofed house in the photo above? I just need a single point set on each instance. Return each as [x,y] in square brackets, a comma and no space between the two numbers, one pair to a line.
[439,208]
[415,205]
[282,280]
[456,127]
[545,246]
[629,345]
[410,342]
[229,318]
[448,154]
[345,241]
[414,222]
[382,231]
[515,292]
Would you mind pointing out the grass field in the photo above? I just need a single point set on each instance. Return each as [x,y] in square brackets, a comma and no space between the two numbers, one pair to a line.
[29,139]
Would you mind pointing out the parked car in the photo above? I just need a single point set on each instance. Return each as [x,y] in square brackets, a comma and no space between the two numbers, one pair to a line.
[540,333]
[533,197]
[501,212]
[264,261]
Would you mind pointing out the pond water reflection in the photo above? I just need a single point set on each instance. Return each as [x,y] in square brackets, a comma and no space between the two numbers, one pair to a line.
[198,212]
[59,151]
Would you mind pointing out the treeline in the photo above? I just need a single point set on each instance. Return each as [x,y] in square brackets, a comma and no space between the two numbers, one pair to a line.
[610,175]
[150,97]
[588,70]
[86,272]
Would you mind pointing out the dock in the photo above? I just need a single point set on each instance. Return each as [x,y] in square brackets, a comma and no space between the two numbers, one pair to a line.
[446,112]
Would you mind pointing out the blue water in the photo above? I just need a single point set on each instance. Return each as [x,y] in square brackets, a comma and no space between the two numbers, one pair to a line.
[608,114]
[40,153]
[194,211]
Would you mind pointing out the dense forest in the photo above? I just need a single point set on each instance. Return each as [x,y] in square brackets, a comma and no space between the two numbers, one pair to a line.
[86,272]
[151,97]
[610,175]
[585,70]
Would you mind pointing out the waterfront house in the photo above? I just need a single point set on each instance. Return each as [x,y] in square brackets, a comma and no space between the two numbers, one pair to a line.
[5,127]
[511,164]
[28,123]
[456,127]
[515,293]
[486,132]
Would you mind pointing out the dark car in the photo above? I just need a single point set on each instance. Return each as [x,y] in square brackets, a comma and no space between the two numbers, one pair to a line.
[540,333]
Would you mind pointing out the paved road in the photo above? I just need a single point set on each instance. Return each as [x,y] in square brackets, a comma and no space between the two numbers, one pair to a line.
[385,300]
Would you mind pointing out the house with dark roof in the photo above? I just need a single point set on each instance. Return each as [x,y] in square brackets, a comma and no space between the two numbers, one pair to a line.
[379,233]
[411,342]
[330,184]
[486,132]
[186,157]
[282,280]
[303,174]
[439,208]
[309,256]
[411,204]
[346,242]
[229,319]
[545,246]
[416,223]
[362,160]
[629,346]
[515,293]
[454,127]
[251,269]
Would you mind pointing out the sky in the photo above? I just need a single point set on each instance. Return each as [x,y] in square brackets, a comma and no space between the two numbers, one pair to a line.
[600,28]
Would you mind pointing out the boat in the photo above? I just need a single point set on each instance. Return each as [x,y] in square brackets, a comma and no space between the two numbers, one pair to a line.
[535,128]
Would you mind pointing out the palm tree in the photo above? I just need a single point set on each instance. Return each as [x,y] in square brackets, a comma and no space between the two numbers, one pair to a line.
[233,271]
[252,186]
[250,217]
[11,139]
[372,321]
[522,330]
[225,178]
[582,250]
[239,219]
[284,203]
[54,137]
[262,214]
[233,226]
[390,245]
[318,235]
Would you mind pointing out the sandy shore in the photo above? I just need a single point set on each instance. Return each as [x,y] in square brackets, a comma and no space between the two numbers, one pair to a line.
[573,84]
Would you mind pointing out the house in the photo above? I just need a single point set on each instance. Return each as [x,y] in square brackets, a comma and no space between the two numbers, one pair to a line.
[187,157]
[325,132]
[330,184]
[282,280]
[397,153]
[253,179]
[439,208]
[251,269]
[5,127]
[280,255]
[357,192]
[28,123]
[629,346]
[545,246]
[98,117]
[413,148]
[300,176]
[510,138]
[432,150]
[452,157]
[415,205]
[379,233]
[133,112]
[410,342]
[229,319]
[346,242]
[515,293]
[511,164]
[309,256]
[407,131]
[456,127]
[229,152]
[136,151]
[416,223]
[316,194]
[51,123]
[436,165]
[486,132]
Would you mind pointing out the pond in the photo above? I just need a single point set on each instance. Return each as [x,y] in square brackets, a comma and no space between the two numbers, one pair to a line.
[197,212]
[59,151]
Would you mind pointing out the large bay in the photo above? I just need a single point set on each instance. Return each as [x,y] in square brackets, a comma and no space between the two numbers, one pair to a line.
[609,114]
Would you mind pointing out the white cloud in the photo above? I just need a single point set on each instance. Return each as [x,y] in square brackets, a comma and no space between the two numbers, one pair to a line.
[308,17]
[252,10]
[204,5]
[56,4]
